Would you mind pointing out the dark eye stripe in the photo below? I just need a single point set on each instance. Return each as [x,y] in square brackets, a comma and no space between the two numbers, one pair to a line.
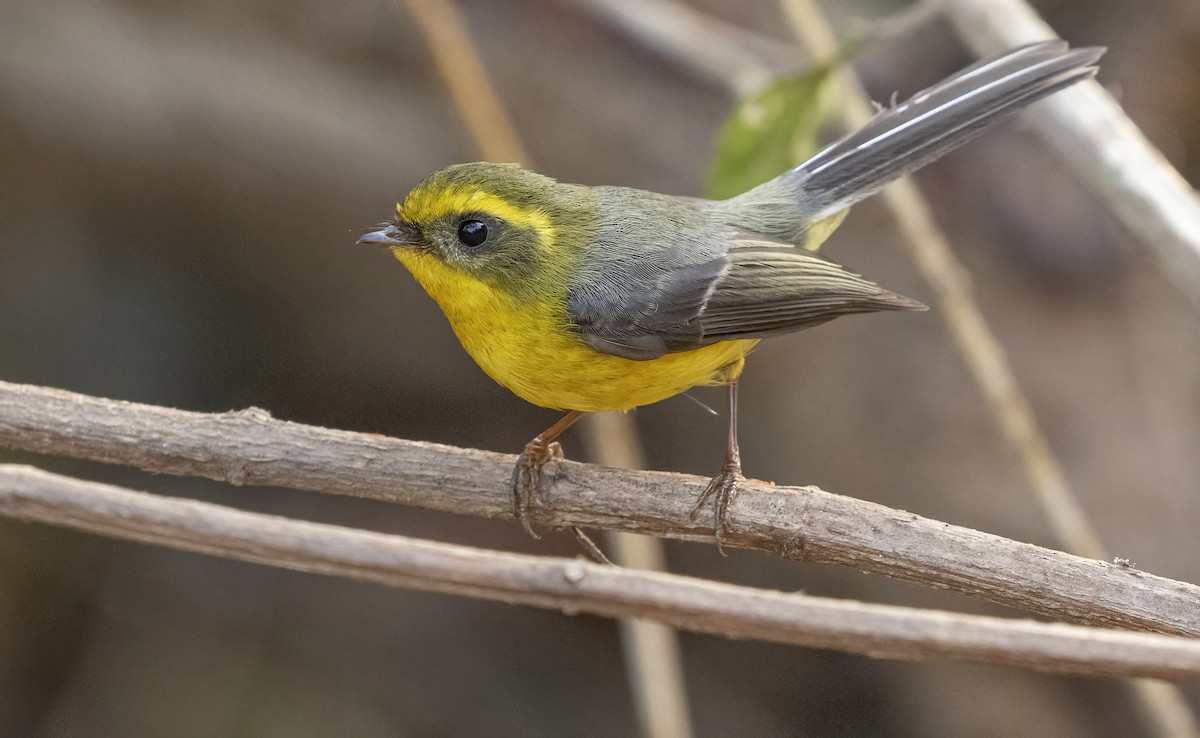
[472,233]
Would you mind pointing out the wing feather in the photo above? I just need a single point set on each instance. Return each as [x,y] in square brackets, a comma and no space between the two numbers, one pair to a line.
[757,289]
[772,289]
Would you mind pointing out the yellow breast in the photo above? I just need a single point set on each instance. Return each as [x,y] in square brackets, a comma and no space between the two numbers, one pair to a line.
[531,350]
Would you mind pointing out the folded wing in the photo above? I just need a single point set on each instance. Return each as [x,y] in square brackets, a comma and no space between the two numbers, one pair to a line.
[757,289]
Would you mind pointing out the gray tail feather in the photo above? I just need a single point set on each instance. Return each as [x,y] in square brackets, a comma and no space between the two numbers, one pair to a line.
[901,139]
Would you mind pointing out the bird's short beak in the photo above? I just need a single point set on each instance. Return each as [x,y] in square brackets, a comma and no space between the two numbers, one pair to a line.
[393,235]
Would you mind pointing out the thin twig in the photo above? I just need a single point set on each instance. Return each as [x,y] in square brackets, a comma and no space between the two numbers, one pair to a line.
[589,547]
[879,631]
[1095,137]
[804,523]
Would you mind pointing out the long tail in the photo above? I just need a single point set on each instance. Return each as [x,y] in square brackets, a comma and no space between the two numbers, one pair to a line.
[903,138]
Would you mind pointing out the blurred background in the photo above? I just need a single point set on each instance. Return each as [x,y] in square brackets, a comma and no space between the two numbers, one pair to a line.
[182,187]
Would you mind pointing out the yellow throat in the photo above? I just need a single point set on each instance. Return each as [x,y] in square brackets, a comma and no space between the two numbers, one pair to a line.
[531,350]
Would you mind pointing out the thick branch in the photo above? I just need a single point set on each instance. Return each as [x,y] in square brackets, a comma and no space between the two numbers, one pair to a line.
[880,631]
[250,447]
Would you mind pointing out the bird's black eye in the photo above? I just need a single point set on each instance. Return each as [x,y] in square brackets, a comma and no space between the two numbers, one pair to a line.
[472,233]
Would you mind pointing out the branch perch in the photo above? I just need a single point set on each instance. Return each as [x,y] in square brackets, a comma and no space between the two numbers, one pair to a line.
[879,631]
[803,523]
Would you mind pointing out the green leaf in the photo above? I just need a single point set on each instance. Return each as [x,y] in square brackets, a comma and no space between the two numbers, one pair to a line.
[769,132]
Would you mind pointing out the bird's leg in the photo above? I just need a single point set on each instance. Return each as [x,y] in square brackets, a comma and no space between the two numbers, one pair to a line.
[724,486]
[527,476]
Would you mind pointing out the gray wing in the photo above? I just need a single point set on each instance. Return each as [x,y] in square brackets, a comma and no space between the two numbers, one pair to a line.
[757,289]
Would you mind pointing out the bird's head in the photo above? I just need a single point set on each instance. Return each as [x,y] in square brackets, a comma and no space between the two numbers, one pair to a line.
[499,224]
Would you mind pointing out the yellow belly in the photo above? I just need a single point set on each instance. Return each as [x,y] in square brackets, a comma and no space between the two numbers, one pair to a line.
[531,350]
[555,369]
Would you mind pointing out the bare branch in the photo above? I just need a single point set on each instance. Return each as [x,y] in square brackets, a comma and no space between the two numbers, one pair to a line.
[1091,132]
[805,523]
[880,631]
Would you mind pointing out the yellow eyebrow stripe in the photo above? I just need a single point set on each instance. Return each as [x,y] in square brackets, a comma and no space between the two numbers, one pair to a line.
[426,207]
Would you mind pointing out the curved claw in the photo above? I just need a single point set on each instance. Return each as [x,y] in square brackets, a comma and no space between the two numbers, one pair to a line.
[527,476]
[721,490]
[527,479]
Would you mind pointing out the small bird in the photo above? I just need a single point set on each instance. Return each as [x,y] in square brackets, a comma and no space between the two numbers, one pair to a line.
[587,299]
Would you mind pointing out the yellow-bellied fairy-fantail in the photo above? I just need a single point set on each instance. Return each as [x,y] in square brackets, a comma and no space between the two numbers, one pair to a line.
[606,298]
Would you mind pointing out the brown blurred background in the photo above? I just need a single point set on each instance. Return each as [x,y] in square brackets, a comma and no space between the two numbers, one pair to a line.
[182,186]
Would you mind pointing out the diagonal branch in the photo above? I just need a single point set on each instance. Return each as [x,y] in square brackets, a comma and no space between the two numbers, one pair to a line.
[880,631]
[804,523]
[1104,147]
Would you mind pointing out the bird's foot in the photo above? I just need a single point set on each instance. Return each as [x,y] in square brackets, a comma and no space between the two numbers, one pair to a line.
[721,491]
[527,477]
